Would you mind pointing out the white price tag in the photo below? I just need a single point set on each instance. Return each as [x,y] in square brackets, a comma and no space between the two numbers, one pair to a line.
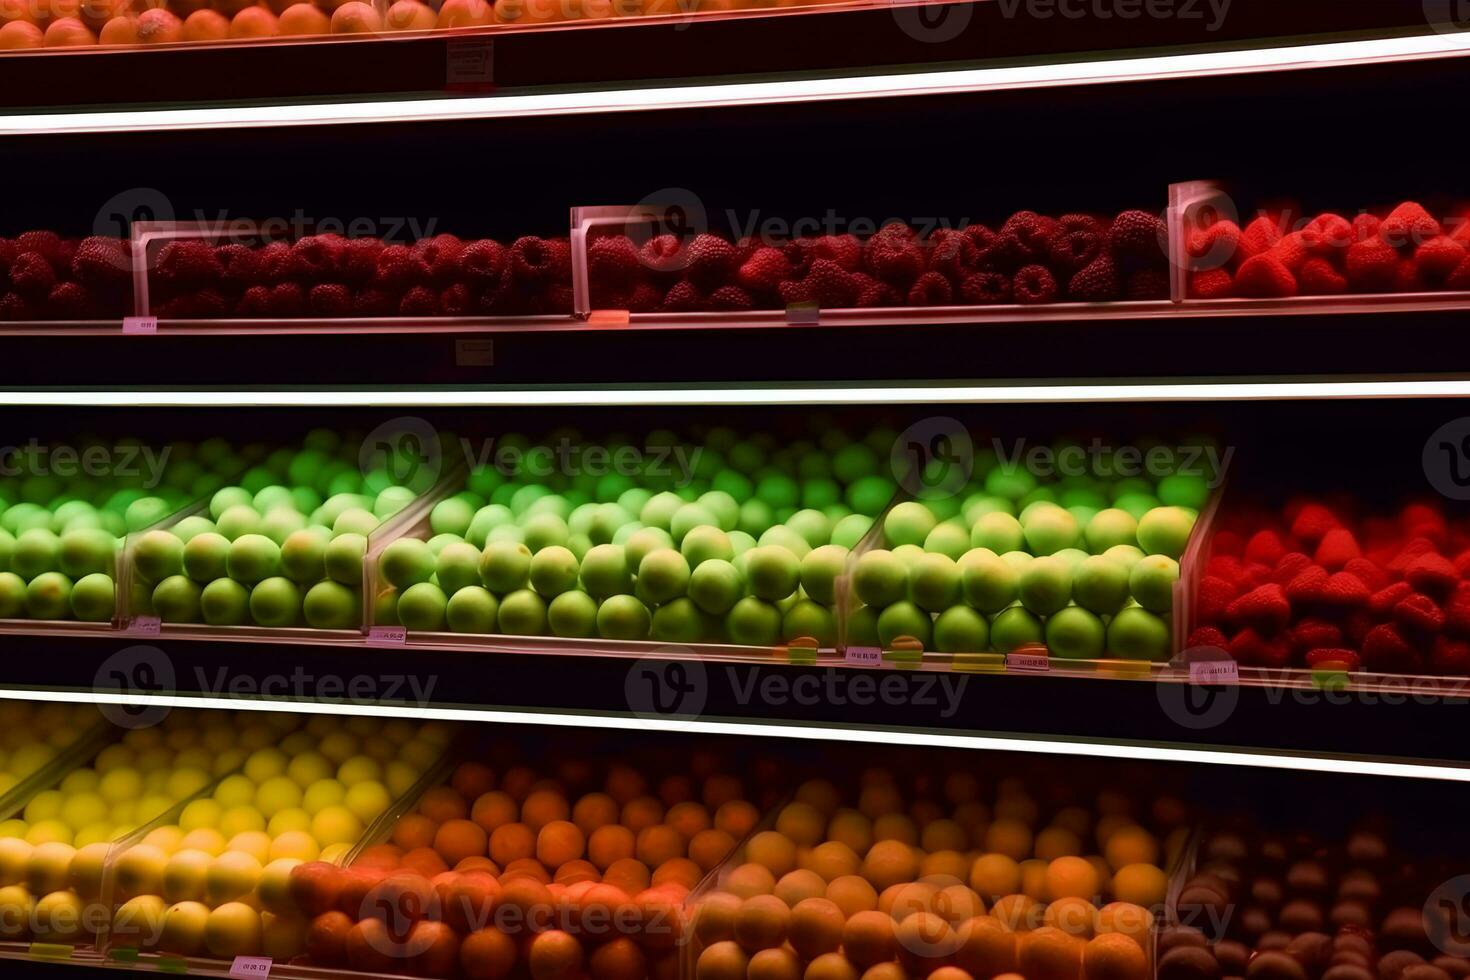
[1214,672]
[140,324]
[1028,661]
[474,353]
[864,656]
[145,626]
[251,967]
[803,315]
[387,636]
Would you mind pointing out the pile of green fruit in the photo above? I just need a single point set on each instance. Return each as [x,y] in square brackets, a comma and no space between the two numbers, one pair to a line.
[282,547]
[60,537]
[743,545]
[1084,565]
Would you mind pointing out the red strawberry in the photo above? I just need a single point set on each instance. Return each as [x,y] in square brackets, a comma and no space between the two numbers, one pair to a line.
[1365,226]
[1386,651]
[730,298]
[1457,611]
[329,299]
[1408,225]
[1333,655]
[1096,283]
[360,259]
[645,298]
[183,263]
[1327,234]
[419,301]
[1309,587]
[287,299]
[1419,613]
[1265,607]
[1206,636]
[1264,276]
[483,262]
[1136,234]
[1439,257]
[1406,278]
[1460,278]
[931,289]
[1424,521]
[713,261]
[683,297]
[1372,265]
[1337,548]
[1450,657]
[663,254]
[1254,574]
[1313,522]
[372,302]
[1412,550]
[983,288]
[1318,277]
[1211,284]
[842,249]
[1312,633]
[254,302]
[1292,564]
[397,269]
[764,270]
[1265,546]
[1228,543]
[1213,598]
[1367,572]
[240,266]
[69,301]
[1034,284]
[1228,567]
[101,262]
[1258,237]
[1383,601]
[47,244]
[14,306]
[1252,649]
[1344,590]
[1433,574]
[1291,251]
[1215,245]
[32,276]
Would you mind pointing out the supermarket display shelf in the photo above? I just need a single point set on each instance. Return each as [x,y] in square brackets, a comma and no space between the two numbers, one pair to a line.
[656,50]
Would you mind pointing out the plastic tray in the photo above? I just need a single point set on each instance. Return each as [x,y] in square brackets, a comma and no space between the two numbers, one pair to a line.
[641,222]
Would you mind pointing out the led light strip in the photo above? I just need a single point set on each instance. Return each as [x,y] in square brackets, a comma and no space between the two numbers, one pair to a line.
[887,736]
[877,393]
[714,95]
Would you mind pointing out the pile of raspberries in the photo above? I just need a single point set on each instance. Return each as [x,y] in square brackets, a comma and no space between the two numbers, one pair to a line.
[1029,259]
[46,277]
[332,276]
[1405,251]
[1382,594]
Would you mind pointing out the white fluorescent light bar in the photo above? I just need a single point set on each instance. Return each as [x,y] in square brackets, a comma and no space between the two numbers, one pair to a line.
[717,95]
[876,394]
[886,736]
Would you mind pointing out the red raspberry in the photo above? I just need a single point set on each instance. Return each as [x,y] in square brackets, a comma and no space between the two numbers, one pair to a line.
[1407,226]
[730,298]
[1034,284]
[186,263]
[1439,257]
[419,301]
[612,263]
[534,261]
[871,292]
[1337,548]
[31,275]
[712,261]
[14,307]
[645,298]
[456,300]
[830,285]
[984,288]
[1214,246]
[254,302]
[1258,237]
[1265,607]
[1318,277]
[894,258]
[842,249]
[683,297]
[931,289]
[1071,250]
[557,298]
[1264,276]
[952,254]
[1386,651]
[374,302]
[360,260]
[763,271]
[102,262]
[1136,234]
[329,299]
[663,254]
[1024,235]
[316,258]
[8,252]
[240,266]
[1096,283]
[398,269]
[746,247]
[69,301]
[794,291]
[1211,284]
[1145,284]
[46,244]
[799,254]
[441,256]
[275,261]
[1327,234]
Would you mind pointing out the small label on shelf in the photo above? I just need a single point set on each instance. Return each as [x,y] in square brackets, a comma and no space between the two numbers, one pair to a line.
[864,656]
[387,636]
[474,353]
[1027,661]
[469,63]
[51,951]
[145,626]
[140,324]
[1213,672]
[171,964]
[803,313]
[251,967]
[608,318]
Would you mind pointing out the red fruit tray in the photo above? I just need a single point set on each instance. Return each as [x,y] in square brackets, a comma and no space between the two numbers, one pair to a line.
[1328,264]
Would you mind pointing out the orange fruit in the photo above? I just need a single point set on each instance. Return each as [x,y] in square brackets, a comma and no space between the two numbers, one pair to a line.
[736,818]
[986,947]
[69,32]
[303,19]
[20,34]
[206,25]
[555,955]
[458,839]
[658,844]
[709,847]
[816,927]
[621,959]
[356,17]
[464,13]
[558,842]
[595,809]
[494,809]
[512,842]
[488,954]
[610,843]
